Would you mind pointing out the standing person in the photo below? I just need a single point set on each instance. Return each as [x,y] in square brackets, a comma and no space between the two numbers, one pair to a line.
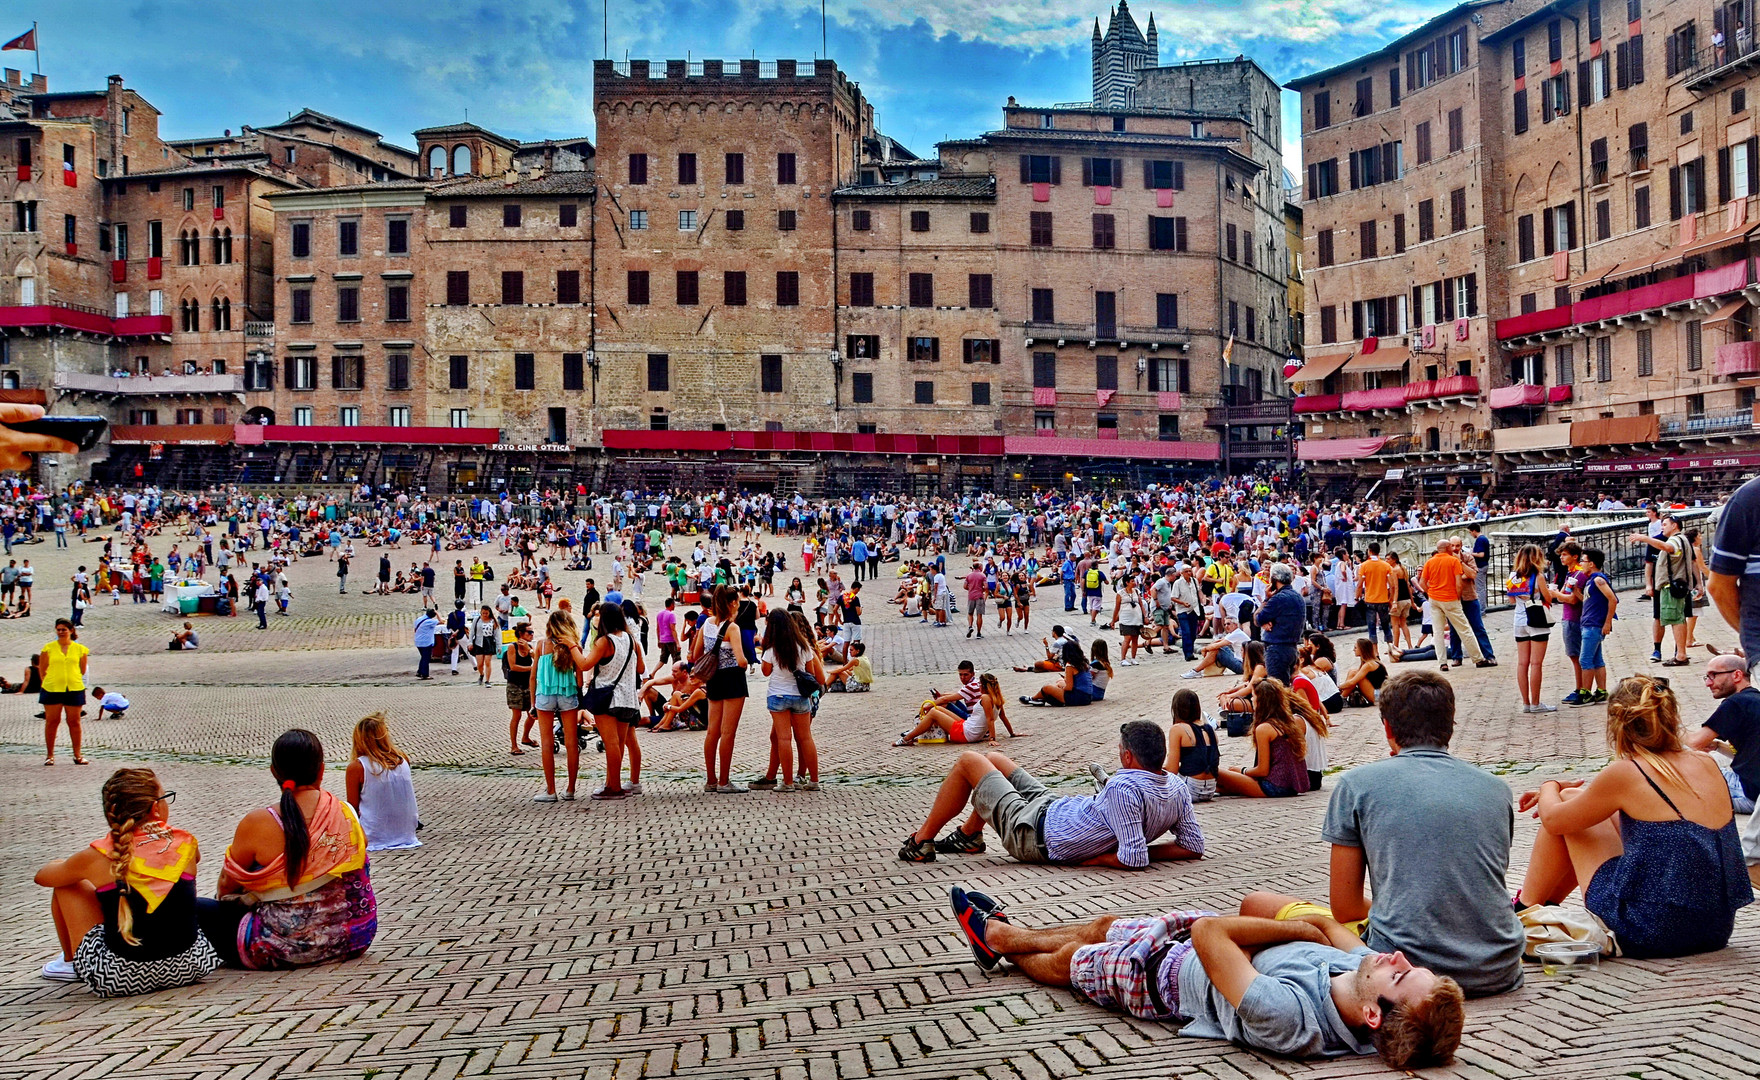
[1127,616]
[1183,593]
[427,626]
[63,664]
[1475,600]
[1532,600]
[1093,583]
[1281,617]
[849,611]
[1600,604]
[516,671]
[1374,589]
[558,696]
[125,904]
[342,573]
[484,633]
[977,587]
[788,654]
[1672,580]
[726,688]
[1735,566]
[380,789]
[1572,577]
[614,702]
[260,601]
[1442,579]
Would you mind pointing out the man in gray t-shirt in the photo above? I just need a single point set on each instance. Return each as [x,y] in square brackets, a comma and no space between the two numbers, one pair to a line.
[1432,833]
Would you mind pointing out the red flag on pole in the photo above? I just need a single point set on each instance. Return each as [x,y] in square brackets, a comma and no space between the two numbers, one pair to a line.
[26,40]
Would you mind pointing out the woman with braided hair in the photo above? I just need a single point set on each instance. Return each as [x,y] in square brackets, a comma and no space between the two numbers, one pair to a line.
[125,905]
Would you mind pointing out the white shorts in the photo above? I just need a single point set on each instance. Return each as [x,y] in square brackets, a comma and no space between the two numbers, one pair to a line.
[1091,603]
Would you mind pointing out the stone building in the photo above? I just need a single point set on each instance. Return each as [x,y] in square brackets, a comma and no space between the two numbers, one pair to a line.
[1119,55]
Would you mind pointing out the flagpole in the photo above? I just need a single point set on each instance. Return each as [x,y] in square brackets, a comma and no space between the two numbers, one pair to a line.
[36,50]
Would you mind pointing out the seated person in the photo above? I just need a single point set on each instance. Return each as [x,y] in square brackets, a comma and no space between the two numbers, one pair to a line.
[1054,650]
[1222,654]
[380,789]
[33,679]
[962,701]
[1366,678]
[1099,667]
[1239,697]
[853,676]
[687,706]
[977,725]
[111,705]
[185,638]
[1303,705]
[295,889]
[1113,828]
[1191,746]
[1075,689]
[125,905]
[1315,665]
[1666,874]
[1431,835]
[1421,650]
[1279,749]
[1300,987]
[1734,727]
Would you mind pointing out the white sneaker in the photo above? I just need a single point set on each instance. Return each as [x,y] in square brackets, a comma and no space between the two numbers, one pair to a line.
[544,797]
[733,789]
[1543,708]
[1191,675]
[60,970]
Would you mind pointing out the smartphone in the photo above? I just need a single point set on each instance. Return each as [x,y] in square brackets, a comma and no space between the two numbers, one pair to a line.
[81,431]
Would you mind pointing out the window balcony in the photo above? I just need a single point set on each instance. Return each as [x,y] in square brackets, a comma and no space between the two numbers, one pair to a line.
[1318,403]
[1739,358]
[1439,391]
[1269,411]
[147,385]
[1711,67]
[1382,398]
[1517,396]
[1721,422]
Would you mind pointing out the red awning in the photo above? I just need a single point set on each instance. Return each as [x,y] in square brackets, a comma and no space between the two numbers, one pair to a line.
[1319,367]
[1339,449]
[1060,446]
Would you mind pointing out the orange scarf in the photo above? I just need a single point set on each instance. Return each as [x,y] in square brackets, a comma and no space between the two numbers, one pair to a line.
[161,857]
[338,845]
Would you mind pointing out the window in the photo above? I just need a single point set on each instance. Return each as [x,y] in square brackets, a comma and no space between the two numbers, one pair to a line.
[459,418]
[1365,96]
[1628,62]
[1102,172]
[788,288]
[861,220]
[1044,370]
[923,349]
[981,351]
[1381,164]
[302,373]
[919,221]
[980,222]
[862,346]
[922,290]
[1603,220]
[458,287]
[1045,420]
[735,219]
[155,232]
[1399,234]
[259,374]
[1105,232]
[1457,210]
[638,220]
[785,168]
[1555,98]
[397,371]
[525,375]
[1328,324]
[1232,244]
[302,416]
[1682,48]
[1695,345]
[1166,311]
[1323,242]
[301,237]
[348,236]
[1738,101]
[1247,246]
[189,316]
[980,393]
[573,371]
[1041,169]
[1106,373]
[513,286]
[734,170]
[1039,228]
[770,367]
[1604,359]
[189,193]
[685,287]
[687,168]
[1519,105]
[458,370]
[659,422]
[1736,170]
[636,287]
[687,221]
[979,293]
[1234,318]
[925,392]
[733,288]
[1525,238]
[659,373]
[1168,374]
[1646,357]
[1595,72]
[121,230]
[1043,307]
[638,168]
[1641,208]
[1169,234]
[456,216]
[1366,233]
[301,305]
[861,387]
[785,220]
[347,372]
[1323,178]
[568,286]
[1323,109]
[510,216]
[567,215]
[861,290]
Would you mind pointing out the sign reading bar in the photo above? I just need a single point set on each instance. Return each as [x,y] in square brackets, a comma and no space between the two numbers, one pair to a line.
[539,448]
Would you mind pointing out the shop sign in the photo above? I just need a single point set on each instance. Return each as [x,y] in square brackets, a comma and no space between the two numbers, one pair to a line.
[533,448]
[1623,468]
[1716,461]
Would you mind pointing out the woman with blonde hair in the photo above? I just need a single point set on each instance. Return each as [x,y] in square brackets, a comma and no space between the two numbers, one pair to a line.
[1279,744]
[1651,839]
[557,686]
[1532,598]
[978,726]
[125,904]
[380,788]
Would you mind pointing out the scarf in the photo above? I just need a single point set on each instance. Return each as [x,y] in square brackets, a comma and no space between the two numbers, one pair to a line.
[338,846]
[161,858]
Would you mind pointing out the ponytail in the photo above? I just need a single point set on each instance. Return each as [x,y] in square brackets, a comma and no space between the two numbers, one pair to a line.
[297,761]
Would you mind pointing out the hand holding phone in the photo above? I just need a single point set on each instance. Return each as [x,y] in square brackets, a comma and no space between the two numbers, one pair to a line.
[17,442]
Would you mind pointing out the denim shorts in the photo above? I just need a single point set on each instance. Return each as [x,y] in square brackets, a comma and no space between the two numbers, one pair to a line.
[556,703]
[1590,657]
[789,703]
[1573,638]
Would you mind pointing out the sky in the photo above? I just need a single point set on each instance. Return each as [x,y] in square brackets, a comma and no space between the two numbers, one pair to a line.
[934,69]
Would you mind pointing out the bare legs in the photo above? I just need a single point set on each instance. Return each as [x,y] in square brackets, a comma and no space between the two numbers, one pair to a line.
[968,771]
[52,717]
[1560,864]
[75,911]
[1236,782]
[1044,955]
[718,740]
[1530,664]
[787,730]
[571,746]
[617,738]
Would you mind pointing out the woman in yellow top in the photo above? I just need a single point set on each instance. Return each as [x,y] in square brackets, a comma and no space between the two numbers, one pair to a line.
[64,688]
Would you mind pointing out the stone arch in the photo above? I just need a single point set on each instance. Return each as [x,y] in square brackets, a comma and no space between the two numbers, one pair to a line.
[436,160]
[461,160]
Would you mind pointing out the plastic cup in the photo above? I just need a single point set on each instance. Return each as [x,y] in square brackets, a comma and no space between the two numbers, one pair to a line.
[1568,959]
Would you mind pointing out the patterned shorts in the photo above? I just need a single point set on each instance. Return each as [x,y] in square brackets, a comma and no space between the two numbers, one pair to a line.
[1114,974]
[110,975]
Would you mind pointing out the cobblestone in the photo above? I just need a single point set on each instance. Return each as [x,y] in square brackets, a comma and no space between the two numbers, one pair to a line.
[770,936]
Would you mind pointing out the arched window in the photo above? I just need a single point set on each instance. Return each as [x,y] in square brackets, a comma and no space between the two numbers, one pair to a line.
[27,290]
[437,161]
[226,246]
[218,256]
[461,161]
[222,314]
[1433,439]
[190,315]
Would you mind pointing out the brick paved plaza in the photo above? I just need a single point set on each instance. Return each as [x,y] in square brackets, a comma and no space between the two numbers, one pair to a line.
[763,935]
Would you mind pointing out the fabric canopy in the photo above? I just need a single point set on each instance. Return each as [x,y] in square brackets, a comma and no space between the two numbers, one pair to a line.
[1339,449]
[1319,367]
[1727,312]
[1717,240]
[1385,359]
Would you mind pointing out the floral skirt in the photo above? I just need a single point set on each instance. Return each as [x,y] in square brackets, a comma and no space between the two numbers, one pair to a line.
[335,922]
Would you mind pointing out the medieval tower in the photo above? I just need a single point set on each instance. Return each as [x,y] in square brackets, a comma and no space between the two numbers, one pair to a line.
[1119,55]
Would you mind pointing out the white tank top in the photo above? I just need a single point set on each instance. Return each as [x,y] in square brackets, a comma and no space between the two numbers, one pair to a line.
[388,806]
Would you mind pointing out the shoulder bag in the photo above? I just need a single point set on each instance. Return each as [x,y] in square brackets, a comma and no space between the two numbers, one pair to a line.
[597,700]
[1539,617]
[707,664]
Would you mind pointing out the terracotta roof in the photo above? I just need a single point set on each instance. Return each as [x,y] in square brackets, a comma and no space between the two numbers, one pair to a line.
[948,187]
[579,182]
[382,185]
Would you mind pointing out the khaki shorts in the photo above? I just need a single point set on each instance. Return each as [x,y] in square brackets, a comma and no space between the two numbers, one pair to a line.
[1015,806]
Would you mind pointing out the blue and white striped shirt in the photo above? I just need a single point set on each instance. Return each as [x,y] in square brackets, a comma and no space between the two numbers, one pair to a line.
[1132,809]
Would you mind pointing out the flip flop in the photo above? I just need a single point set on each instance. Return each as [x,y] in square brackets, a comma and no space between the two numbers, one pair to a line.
[971,923]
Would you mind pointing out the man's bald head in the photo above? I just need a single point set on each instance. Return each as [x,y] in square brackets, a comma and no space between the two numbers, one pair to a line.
[1725,675]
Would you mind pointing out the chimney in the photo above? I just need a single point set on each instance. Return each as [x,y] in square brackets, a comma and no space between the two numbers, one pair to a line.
[537,172]
[12,77]
[511,178]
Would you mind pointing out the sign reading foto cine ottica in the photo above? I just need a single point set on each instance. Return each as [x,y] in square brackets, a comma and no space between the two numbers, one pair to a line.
[533,448]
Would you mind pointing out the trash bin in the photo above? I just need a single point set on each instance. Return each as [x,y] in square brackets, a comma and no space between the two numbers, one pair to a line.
[187,605]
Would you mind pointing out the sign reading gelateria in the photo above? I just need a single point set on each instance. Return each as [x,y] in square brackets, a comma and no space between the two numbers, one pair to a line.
[537,448]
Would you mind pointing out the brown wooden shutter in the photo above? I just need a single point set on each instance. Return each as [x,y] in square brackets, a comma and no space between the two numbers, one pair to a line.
[1057,170]
[1026,169]
[1087,172]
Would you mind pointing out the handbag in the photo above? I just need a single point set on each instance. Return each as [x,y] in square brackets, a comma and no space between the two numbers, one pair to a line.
[705,666]
[807,684]
[1538,616]
[597,699]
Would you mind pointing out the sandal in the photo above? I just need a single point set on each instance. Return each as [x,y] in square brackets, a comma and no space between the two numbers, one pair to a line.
[81,761]
[516,750]
[529,741]
[51,761]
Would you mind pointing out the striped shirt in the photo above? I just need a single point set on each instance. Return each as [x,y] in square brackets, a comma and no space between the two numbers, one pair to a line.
[1133,808]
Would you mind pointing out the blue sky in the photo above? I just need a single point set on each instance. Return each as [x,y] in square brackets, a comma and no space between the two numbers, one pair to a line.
[933,68]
